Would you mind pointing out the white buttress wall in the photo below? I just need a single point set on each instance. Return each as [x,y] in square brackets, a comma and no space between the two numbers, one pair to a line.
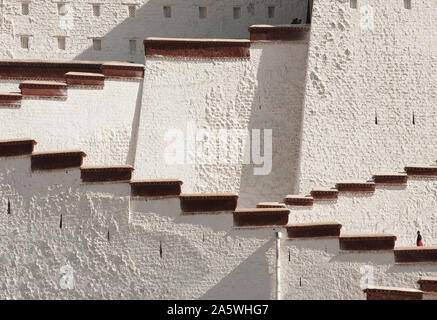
[377,61]
[317,269]
[115,28]
[263,92]
[100,122]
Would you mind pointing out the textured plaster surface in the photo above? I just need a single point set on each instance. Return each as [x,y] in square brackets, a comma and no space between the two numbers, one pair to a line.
[317,269]
[356,75]
[263,92]
[118,248]
[99,122]
[115,28]
[127,121]
[363,88]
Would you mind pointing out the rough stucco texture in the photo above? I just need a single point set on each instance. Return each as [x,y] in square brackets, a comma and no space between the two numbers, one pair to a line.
[317,269]
[401,211]
[50,220]
[115,28]
[126,122]
[96,121]
[355,75]
[121,248]
[263,92]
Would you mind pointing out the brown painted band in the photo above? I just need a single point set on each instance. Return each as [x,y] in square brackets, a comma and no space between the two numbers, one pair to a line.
[324,195]
[304,201]
[421,171]
[120,71]
[377,243]
[56,70]
[54,161]
[415,255]
[355,187]
[196,48]
[330,230]
[375,294]
[155,189]
[16,148]
[106,174]
[85,82]
[208,205]
[390,179]
[97,80]
[44,92]
[43,70]
[6,98]
[272,217]
[428,286]
[279,33]
[270,205]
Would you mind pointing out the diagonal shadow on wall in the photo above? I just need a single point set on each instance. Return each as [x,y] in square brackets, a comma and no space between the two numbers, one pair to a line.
[250,280]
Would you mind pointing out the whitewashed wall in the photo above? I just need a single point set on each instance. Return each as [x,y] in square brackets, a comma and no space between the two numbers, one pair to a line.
[264,92]
[116,28]
[119,249]
[317,269]
[356,74]
[101,122]
[126,122]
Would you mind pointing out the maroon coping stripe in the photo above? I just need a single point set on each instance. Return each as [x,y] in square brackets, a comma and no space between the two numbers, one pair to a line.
[57,160]
[270,205]
[367,242]
[107,173]
[198,48]
[298,201]
[156,188]
[10,98]
[314,230]
[390,179]
[45,70]
[43,88]
[387,293]
[284,33]
[191,203]
[16,147]
[56,70]
[416,254]
[261,217]
[421,171]
[428,284]
[328,194]
[84,79]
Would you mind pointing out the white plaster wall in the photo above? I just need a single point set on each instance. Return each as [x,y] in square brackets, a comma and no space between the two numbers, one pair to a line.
[123,248]
[317,269]
[116,28]
[35,247]
[263,92]
[401,211]
[353,74]
[202,256]
[101,122]
[113,243]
